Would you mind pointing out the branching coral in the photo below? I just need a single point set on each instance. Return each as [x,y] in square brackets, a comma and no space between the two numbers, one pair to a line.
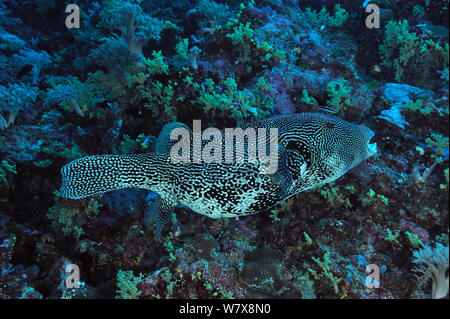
[153,94]
[307,99]
[37,60]
[433,263]
[110,88]
[13,99]
[135,26]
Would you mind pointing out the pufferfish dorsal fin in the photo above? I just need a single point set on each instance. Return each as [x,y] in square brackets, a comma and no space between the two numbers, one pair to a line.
[164,143]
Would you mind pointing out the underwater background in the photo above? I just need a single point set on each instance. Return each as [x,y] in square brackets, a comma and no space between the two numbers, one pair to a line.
[109,86]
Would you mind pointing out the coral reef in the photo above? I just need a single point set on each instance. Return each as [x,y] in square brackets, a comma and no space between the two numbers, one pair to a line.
[380,231]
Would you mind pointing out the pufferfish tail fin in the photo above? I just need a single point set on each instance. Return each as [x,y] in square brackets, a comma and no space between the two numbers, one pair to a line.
[99,174]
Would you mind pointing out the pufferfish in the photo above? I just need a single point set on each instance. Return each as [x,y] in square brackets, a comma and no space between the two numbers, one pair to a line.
[313,149]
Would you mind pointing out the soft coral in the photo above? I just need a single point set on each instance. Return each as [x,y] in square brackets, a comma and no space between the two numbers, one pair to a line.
[433,263]
[37,60]
[14,98]
[73,95]
[135,26]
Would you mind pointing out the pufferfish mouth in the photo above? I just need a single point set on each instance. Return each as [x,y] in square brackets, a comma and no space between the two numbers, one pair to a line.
[368,136]
[371,148]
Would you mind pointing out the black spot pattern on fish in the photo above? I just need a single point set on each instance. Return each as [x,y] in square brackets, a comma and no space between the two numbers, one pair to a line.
[313,148]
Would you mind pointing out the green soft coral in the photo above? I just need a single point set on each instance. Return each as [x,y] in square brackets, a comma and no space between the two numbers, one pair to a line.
[307,99]
[339,94]
[184,54]
[242,37]
[156,65]
[69,219]
[413,59]
[326,272]
[158,97]
[438,142]
[127,284]
[240,104]
[324,18]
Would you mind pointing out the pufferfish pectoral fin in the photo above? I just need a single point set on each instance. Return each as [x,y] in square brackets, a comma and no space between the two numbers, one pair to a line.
[161,209]
[282,177]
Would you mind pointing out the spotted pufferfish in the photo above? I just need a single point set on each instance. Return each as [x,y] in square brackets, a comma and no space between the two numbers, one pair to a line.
[313,149]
